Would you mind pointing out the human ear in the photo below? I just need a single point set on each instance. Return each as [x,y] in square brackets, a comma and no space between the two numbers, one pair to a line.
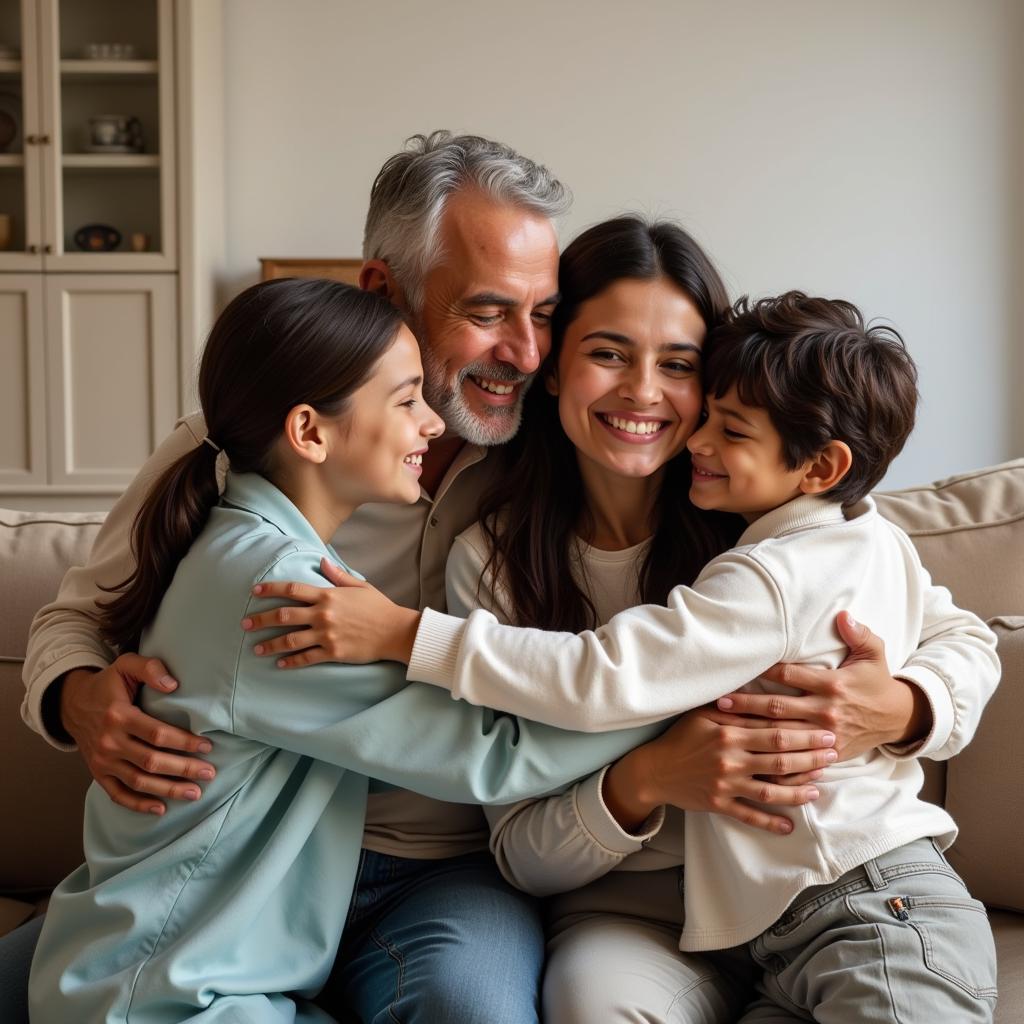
[375,276]
[827,468]
[304,434]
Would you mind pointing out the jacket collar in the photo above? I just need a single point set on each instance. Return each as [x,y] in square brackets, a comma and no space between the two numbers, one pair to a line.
[258,495]
[806,512]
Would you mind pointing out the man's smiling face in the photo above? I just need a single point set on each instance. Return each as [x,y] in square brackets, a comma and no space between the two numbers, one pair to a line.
[485,323]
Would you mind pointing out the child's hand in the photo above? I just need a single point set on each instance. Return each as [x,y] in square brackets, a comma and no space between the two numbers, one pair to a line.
[351,622]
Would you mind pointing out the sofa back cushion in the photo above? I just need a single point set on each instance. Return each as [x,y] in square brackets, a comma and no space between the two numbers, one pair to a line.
[969,531]
[42,790]
[984,785]
[36,549]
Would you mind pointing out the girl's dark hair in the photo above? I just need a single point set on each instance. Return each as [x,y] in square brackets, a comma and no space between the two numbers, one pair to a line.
[821,373]
[531,515]
[279,344]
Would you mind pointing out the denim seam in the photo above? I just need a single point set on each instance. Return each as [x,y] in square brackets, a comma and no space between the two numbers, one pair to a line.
[885,972]
[394,954]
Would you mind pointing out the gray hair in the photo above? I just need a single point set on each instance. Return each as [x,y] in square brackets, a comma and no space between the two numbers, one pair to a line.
[410,192]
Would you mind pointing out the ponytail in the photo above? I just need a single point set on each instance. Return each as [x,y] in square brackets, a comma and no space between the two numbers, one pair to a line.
[175,511]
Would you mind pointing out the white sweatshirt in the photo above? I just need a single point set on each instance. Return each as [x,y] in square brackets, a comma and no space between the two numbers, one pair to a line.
[772,598]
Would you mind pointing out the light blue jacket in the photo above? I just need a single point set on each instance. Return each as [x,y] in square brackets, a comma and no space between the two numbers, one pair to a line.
[217,909]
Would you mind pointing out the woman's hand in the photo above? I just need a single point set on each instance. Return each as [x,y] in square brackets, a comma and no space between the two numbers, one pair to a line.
[708,762]
[351,622]
[859,701]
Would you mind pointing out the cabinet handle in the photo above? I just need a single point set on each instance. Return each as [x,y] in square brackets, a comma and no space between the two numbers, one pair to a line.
[32,140]
[33,249]
[47,248]
[44,140]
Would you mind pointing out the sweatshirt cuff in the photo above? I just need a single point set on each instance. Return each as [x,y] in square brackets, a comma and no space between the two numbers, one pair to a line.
[36,689]
[435,650]
[943,714]
[597,820]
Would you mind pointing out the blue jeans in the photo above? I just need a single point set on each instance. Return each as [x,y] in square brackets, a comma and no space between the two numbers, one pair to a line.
[431,941]
[426,941]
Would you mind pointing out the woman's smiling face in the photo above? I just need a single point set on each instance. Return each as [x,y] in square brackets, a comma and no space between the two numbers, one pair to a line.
[628,376]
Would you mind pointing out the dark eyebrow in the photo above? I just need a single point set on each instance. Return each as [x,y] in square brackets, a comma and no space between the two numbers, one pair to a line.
[505,301]
[405,383]
[622,339]
[727,410]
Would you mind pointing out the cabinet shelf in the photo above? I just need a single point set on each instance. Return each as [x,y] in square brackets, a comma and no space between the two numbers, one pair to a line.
[10,67]
[110,161]
[107,70]
[11,161]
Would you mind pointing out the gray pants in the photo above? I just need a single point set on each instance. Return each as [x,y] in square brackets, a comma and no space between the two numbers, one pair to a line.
[898,940]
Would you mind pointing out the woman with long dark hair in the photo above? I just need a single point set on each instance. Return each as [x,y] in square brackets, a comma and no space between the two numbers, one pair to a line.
[232,907]
[604,439]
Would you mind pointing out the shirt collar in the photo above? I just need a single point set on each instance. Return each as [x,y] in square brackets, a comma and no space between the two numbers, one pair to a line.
[806,511]
[258,495]
[468,455]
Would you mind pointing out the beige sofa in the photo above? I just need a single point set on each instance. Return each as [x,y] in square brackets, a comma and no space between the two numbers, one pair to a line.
[969,530]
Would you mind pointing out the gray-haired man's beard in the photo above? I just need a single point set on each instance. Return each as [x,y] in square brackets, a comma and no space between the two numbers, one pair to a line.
[488,426]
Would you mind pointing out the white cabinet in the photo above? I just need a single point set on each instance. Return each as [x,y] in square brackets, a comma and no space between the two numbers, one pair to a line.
[22,383]
[112,374]
[111,119]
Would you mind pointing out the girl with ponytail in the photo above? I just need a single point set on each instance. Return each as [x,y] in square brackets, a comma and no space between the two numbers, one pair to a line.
[232,908]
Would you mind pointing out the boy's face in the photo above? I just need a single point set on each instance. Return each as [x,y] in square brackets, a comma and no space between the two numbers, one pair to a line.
[737,461]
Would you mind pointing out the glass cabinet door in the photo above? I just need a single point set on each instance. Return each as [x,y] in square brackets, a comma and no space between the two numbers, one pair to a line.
[21,224]
[109,173]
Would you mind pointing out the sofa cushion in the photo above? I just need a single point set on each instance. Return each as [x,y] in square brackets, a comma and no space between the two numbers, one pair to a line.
[41,800]
[36,549]
[985,781]
[969,531]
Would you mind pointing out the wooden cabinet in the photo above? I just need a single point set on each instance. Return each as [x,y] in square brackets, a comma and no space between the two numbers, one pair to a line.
[111,116]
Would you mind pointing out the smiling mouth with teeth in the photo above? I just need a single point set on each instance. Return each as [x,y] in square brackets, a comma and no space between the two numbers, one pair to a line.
[642,427]
[414,460]
[495,387]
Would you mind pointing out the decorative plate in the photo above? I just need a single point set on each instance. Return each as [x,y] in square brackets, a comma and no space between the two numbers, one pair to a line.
[97,238]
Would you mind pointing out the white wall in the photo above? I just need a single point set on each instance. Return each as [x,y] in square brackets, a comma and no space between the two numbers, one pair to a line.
[871,151]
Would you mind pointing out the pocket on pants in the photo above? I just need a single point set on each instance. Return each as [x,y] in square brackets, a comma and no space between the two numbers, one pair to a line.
[956,940]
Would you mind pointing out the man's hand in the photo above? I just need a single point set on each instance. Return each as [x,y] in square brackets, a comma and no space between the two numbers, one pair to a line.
[351,622]
[132,756]
[859,701]
[708,761]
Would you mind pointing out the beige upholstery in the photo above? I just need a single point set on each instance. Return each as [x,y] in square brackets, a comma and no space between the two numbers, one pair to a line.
[969,530]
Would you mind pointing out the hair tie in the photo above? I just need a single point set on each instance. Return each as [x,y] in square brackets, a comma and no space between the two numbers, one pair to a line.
[208,440]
